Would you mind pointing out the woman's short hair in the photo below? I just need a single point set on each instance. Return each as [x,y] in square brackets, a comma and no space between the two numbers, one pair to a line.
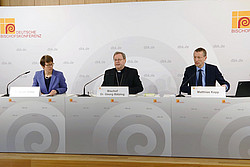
[46,59]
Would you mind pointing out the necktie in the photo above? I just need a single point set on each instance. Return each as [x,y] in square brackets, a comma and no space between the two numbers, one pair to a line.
[199,82]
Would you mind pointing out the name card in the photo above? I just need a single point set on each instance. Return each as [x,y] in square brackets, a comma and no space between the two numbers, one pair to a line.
[107,91]
[24,91]
[208,91]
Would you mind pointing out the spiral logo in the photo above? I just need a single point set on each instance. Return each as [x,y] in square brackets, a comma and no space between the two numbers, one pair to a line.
[130,128]
[227,134]
[32,127]
[10,28]
[243,22]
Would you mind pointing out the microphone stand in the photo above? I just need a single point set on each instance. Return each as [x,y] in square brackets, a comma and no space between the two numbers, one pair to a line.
[181,95]
[7,94]
[87,95]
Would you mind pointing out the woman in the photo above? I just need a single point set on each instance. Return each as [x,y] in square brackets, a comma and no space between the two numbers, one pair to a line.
[51,82]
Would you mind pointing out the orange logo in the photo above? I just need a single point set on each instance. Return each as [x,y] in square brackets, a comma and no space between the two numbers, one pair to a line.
[72,101]
[223,101]
[241,19]
[177,101]
[11,101]
[7,25]
[154,100]
[112,100]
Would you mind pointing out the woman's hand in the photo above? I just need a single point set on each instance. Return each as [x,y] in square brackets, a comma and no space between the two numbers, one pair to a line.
[53,92]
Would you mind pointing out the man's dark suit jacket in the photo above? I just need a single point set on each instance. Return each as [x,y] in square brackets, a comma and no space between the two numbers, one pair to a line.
[130,78]
[212,75]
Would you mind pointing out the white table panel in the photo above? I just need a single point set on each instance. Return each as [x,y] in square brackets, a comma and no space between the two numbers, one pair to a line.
[130,126]
[211,127]
[32,124]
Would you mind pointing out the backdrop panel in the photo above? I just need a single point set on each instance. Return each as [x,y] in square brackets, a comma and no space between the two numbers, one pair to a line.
[158,37]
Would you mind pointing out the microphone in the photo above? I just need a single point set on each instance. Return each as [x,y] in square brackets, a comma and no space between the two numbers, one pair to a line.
[180,95]
[87,84]
[7,94]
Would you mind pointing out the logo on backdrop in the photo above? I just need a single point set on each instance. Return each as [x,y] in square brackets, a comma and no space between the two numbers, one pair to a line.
[240,22]
[7,26]
[8,30]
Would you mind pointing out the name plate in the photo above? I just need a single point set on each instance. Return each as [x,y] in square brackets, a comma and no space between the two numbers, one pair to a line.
[24,91]
[208,91]
[107,91]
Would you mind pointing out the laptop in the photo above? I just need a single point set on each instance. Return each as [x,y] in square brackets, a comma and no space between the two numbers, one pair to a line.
[243,89]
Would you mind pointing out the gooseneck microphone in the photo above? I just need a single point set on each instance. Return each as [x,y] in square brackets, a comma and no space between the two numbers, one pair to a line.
[7,94]
[180,95]
[84,94]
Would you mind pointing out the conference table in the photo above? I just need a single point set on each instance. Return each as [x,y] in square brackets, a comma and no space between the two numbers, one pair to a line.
[134,125]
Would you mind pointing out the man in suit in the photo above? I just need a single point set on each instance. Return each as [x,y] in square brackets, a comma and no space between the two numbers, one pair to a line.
[201,73]
[122,75]
[51,81]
